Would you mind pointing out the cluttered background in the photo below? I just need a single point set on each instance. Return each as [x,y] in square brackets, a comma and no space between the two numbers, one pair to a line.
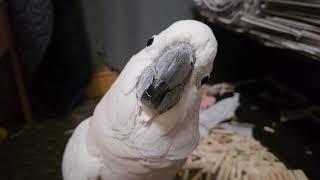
[260,109]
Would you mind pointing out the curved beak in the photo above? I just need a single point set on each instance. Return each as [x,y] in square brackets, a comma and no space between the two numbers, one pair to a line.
[170,72]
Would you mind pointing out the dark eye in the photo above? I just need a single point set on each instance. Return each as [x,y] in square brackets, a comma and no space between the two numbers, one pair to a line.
[150,41]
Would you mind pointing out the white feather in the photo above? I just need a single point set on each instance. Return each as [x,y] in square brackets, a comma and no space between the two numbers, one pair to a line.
[77,162]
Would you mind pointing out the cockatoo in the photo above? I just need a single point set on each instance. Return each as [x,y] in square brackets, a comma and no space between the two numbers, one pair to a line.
[148,122]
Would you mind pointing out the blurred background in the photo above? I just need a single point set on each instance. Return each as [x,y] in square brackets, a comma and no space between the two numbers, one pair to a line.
[58,58]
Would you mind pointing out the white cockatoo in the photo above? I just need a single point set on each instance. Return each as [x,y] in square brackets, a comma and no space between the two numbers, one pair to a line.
[148,122]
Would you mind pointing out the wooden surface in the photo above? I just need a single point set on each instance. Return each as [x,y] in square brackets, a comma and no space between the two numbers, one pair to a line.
[7,45]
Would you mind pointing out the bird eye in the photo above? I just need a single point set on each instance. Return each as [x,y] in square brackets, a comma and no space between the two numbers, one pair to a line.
[150,41]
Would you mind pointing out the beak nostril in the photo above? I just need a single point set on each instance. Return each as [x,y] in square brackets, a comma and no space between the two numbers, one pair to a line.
[205,80]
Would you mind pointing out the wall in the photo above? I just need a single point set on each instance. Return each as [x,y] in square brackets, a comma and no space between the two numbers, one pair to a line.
[117,29]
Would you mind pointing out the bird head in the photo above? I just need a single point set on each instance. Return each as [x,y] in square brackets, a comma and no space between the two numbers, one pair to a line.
[181,55]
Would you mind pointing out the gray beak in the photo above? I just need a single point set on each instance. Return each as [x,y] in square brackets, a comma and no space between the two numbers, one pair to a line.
[162,82]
